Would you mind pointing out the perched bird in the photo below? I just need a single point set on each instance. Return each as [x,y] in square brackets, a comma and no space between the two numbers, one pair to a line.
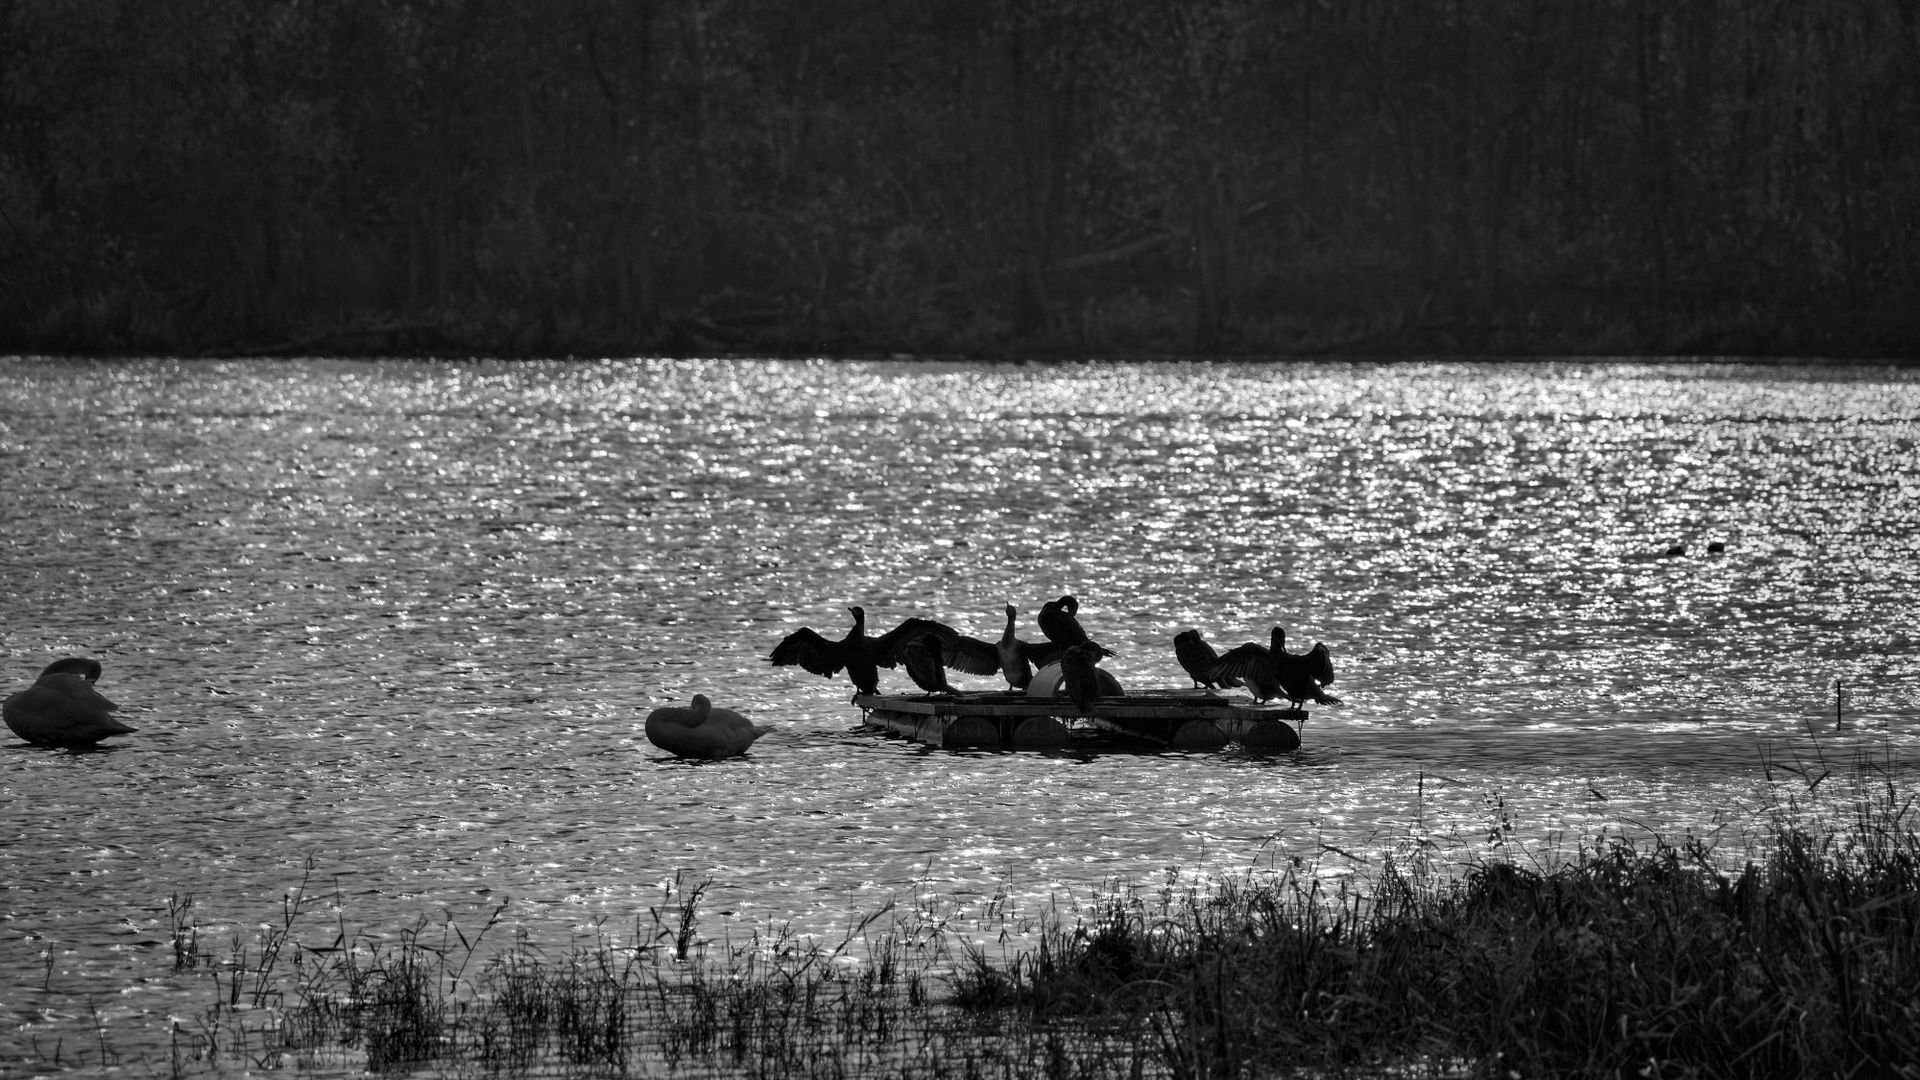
[1080,671]
[701,731]
[925,666]
[62,708]
[963,652]
[1271,671]
[1197,659]
[1304,675]
[860,655]
[1059,620]
[1018,658]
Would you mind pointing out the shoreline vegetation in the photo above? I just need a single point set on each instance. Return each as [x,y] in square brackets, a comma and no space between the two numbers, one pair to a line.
[1044,178]
[1648,957]
[108,328]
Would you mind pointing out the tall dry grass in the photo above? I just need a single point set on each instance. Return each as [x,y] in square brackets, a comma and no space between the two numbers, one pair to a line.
[1800,957]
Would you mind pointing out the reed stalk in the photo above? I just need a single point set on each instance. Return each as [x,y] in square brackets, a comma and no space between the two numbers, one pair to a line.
[1621,957]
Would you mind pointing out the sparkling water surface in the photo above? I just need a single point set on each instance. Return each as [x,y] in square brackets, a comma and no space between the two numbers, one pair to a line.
[392,628]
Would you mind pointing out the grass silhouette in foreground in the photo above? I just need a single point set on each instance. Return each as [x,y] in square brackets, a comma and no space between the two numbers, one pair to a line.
[1651,959]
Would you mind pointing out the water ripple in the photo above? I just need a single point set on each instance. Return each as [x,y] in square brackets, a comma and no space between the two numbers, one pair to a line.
[400,621]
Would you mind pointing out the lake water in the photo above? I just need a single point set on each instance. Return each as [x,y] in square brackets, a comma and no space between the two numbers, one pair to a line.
[400,622]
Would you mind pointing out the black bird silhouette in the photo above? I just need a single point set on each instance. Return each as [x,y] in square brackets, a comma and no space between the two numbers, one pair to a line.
[1060,621]
[963,652]
[1197,659]
[1018,658]
[922,656]
[1080,675]
[62,708]
[860,655]
[1271,671]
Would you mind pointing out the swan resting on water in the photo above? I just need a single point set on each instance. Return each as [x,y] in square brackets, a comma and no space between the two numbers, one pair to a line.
[62,708]
[701,731]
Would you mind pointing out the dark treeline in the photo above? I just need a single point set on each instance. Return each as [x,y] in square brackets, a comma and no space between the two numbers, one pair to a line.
[960,175]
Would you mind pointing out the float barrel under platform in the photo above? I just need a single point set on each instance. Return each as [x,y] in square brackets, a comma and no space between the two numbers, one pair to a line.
[959,730]
[1175,719]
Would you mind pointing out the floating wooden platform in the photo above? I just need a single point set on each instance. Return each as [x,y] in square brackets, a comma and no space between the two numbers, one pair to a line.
[1010,719]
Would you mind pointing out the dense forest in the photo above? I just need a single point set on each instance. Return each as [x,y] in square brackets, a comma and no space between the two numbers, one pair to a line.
[995,177]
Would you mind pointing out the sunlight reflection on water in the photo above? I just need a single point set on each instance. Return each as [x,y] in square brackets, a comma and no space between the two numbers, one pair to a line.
[403,619]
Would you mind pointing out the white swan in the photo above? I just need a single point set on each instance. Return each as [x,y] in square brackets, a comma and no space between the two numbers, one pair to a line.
[701,731]
[62,708]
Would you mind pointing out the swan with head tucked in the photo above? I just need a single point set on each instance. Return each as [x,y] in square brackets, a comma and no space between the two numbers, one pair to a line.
[62,708]
[701,731]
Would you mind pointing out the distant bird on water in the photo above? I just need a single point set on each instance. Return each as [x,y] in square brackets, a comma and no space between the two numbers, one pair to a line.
[1197,659]
[702,731]
[860,655]
[62,708]
[1080,675]
[1271,671]
[1059,620]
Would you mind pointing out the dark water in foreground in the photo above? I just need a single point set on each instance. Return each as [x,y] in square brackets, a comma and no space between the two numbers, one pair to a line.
[401,621]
